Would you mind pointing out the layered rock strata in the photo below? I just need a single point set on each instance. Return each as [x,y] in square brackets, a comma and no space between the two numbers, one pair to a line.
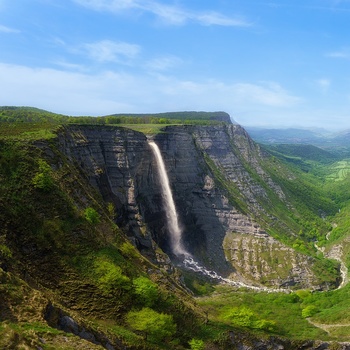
[219,186]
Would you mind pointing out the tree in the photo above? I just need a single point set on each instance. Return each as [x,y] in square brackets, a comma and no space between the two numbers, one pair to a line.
[145,290]
[156,326]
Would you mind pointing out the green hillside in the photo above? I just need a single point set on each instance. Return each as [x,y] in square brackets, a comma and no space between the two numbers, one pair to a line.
[12,114]
[61,254]
[303,153]
[63,258]
[190,115]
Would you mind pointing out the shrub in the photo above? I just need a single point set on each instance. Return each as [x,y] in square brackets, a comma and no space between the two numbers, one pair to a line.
[309,311]
[128,250]
[43,179]
[111,210]
[303,293]
[92,216]
[5,252]
[265,325]
[110,276]
[202,289]
[244,317]
[197,344]
[155,326]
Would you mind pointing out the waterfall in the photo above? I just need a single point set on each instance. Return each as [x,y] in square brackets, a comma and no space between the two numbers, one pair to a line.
[173,222]
[176,232]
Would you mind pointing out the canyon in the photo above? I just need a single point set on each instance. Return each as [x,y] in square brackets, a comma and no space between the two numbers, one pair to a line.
[221,189]
[87,234]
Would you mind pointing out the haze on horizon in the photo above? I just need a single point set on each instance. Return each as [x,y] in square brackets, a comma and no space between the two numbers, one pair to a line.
[266,63]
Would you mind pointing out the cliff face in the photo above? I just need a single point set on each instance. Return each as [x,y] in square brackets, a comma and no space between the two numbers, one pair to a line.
[222,194]
[117,162]
[220,189]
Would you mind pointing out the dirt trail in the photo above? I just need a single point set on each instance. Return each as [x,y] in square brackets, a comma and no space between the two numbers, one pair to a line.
[327,327]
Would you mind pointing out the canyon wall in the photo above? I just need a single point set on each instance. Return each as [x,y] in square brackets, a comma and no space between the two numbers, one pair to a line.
[221,190]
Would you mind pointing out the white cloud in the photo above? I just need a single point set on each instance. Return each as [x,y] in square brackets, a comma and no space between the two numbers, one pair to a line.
[64,92]
[214,18]
[4,29]
[80,93]
[170,14]
[111,51]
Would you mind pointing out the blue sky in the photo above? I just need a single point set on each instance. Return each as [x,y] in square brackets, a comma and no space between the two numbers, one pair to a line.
[266,63]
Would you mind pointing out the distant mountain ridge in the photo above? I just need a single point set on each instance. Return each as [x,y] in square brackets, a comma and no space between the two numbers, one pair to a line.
[337,143]
[289,135]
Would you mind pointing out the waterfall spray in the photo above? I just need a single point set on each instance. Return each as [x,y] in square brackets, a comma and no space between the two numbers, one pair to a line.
[173,223]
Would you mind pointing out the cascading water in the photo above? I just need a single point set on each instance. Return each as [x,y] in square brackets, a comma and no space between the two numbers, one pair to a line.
[176,232]
[173,223]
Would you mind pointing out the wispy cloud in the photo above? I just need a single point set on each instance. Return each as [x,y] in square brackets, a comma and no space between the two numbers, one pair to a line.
[214,18]
[268,94]
[111,51]
[324,84]
[56,41]
[163,63]
[72,92]
[167,13]
[4,29]
[70,66]
[170,14]
[343,53]
[108,5]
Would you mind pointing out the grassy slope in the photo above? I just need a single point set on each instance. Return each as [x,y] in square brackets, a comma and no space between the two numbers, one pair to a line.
[328,311]
[49,251]
[284,310]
